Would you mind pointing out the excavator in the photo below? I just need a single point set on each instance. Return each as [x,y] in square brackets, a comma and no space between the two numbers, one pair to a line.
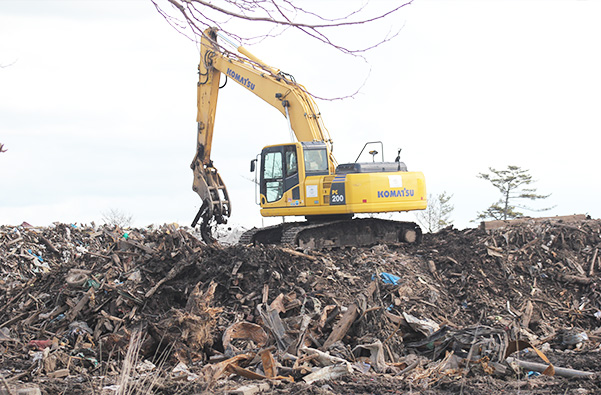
[300,178]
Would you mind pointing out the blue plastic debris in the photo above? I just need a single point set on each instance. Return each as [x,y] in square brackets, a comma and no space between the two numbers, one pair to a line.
[58,318]
[390,278]
[37,256]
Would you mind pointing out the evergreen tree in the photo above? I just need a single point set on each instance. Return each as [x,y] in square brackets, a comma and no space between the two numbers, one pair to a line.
[511,183]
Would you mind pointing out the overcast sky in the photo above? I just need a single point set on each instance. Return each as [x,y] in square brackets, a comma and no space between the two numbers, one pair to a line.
[98,106]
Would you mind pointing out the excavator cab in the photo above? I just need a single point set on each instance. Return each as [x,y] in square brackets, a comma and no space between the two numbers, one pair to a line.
[285,167]
[301,179]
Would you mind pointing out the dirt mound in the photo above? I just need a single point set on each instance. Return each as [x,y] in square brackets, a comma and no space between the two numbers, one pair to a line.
[155,309]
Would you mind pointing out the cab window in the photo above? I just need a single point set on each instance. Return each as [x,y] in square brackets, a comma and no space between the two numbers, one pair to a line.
[291,163]
[316,160]
[273,176]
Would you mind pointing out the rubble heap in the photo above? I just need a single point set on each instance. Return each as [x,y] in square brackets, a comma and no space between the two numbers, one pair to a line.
[87,308]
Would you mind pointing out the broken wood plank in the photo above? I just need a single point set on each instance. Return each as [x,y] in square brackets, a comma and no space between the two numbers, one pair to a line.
[575,279]
[300,254]
[19,389]
[349,317]
[342,326]
[18,239]
[269,365]
[58,373]
[527,315]
[541,367]
[251,389]
[71,315]
[265,297]
[175,270]
[13,320]
[271,319]
[98,255]
[141,246]
[48,244]
[329,373]
[591,269]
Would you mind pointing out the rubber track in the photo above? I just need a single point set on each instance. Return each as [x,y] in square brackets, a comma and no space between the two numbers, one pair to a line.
[248,237]
[288,233]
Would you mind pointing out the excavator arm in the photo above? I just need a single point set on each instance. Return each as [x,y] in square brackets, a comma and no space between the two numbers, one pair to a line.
[207,182]
[273,86]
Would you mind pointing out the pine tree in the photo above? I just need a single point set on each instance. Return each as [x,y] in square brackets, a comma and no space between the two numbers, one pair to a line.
[511,183]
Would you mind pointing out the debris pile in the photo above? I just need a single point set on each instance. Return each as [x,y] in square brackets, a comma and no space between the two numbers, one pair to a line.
[87,308]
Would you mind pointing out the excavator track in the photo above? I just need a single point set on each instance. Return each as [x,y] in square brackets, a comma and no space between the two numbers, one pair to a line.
[341,233]
[266,235]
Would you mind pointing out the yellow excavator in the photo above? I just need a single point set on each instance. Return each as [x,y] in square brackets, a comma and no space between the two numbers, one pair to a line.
[300,178]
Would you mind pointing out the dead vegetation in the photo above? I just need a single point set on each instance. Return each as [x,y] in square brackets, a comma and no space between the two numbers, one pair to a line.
[86,309]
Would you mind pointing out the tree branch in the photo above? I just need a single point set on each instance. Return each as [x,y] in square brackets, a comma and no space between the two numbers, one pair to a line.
[275,13]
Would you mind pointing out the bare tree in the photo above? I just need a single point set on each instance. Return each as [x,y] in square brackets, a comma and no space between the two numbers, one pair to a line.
[115,217]
[274,17]
[3,66]
[438,213]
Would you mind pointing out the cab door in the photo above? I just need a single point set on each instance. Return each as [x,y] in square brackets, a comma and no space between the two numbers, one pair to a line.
[279,174]
[291,173]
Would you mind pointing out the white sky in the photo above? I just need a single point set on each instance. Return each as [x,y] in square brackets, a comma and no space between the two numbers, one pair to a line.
[98,106]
